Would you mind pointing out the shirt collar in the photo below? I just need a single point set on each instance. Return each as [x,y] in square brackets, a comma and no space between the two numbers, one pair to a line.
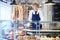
[34,12]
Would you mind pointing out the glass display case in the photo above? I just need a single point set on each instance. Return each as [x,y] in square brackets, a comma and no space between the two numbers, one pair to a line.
[14,23]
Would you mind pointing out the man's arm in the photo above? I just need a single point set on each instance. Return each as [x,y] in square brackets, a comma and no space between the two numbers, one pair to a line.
[41,15]
[30,16]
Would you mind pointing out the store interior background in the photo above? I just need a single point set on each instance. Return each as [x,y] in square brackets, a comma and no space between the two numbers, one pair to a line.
[48,11]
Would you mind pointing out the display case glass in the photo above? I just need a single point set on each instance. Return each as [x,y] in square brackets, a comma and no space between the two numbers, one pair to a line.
[14,23]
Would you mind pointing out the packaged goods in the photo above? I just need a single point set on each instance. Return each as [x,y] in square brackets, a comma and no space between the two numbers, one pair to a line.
[57,38]
[33,38]
[27,38]
[20,38]
[30,38]
[52,38]
[49,38]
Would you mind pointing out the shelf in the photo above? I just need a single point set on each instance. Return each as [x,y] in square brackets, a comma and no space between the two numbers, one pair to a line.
[35,21]
[41,21]
[43,31]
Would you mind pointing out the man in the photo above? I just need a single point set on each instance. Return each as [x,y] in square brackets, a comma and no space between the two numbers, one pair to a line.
[35,15]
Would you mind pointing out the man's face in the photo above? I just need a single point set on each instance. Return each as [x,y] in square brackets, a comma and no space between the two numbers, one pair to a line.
[35,7]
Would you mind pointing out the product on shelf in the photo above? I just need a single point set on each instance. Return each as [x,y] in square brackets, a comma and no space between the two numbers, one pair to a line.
[33,38]
[43,38]
[20,28]
[11,34]
[20,37]
[57,38]
[30,38]
[19,31]
[52,38]
[27,38]
[49,38]
[17,13]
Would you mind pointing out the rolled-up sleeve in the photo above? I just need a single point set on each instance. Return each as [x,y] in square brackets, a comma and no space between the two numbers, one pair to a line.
[41,15]
[30,16]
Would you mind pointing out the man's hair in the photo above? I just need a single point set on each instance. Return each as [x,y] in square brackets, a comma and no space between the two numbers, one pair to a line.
[36,4]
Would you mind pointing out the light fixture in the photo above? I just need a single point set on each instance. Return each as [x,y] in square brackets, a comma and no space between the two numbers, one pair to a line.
[13,3]
[50,2]
[3,1]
